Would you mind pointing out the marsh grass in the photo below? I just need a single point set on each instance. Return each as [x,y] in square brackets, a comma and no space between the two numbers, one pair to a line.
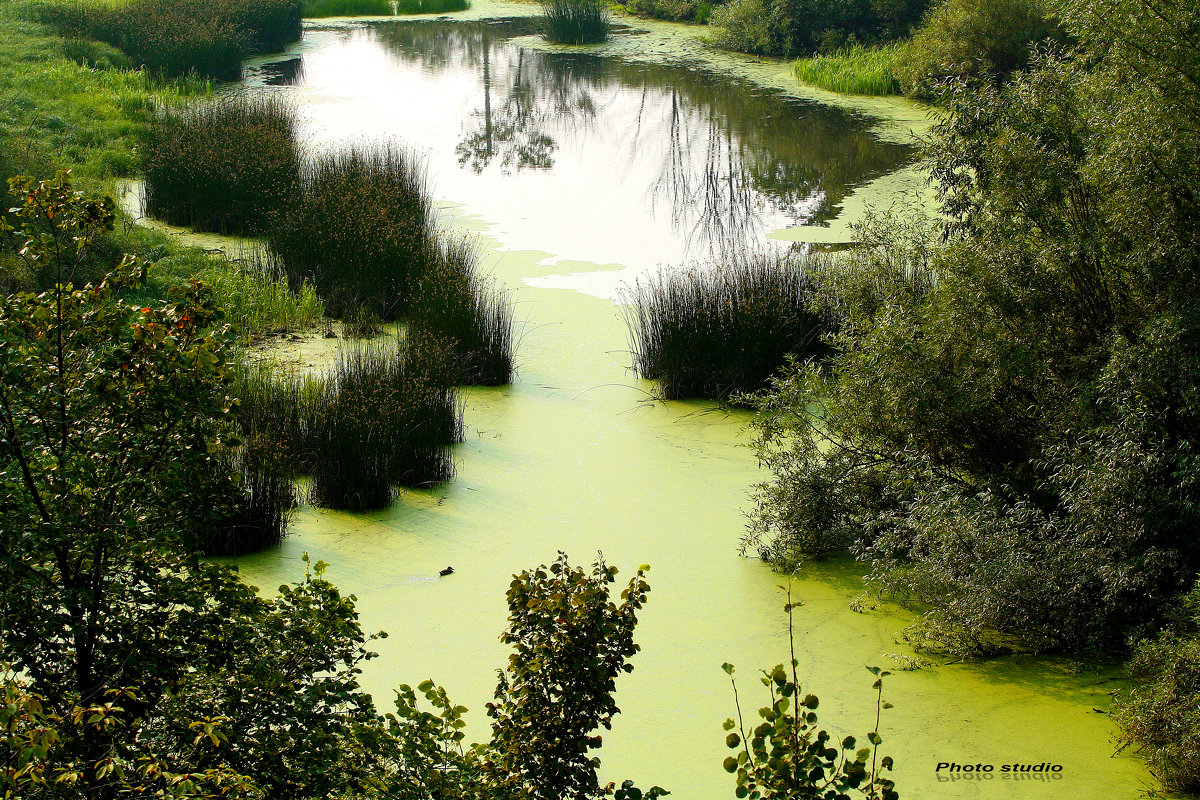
[171,38]
[384,417]
[575,21]
[363,8]
[262,498]
[724,329]
[228,166]
[454,303]
[359,229]
[257,299]
[854,70]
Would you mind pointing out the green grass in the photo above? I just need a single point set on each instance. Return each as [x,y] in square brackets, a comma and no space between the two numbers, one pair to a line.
[575,21]
[380,8]
[854,70]
[724,329]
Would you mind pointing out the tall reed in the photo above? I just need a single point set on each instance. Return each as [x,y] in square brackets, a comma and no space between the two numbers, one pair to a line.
[359,229]
[259,502]
[575,21]
[384,417]
[229,166]
[453,302]
[724,329]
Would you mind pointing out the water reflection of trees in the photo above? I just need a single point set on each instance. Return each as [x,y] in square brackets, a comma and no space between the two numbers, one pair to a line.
[732,151]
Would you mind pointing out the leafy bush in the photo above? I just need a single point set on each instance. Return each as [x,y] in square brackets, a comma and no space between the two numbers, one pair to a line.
[1160,714]
[677,10]
[790,28]
[975,39]
[357,8]
[575,21]
[229,166]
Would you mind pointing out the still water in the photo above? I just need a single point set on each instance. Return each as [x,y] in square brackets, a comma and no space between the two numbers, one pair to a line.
[580,171]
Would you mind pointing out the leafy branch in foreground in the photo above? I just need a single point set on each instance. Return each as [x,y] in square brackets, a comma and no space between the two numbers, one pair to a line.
[787,757]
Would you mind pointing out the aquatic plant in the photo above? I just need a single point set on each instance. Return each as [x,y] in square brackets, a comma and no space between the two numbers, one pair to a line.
[724,328]
[359,229]
[171,38]
[854,70]
[452,302]
[259,502]
[575,21]
[227,166]
[384,417]
[362,8]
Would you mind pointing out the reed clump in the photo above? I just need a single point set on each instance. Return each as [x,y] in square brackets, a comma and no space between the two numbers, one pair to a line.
[575,21]
[385,417]
[260,498]
[229,166]
[454,303]
[359,229]
[723,330]
[854,70]
[171,38]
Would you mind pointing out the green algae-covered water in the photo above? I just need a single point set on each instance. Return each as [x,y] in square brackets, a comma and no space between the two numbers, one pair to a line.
[580,171]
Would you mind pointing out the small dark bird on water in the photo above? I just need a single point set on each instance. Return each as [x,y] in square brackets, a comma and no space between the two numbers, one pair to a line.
[447,571]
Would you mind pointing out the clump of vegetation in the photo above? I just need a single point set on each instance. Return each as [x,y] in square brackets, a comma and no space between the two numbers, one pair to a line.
[575,21]
[360,229]
[790,28]
[171,38]
[453,303]
[256,297]
[253,511]
[384,417]
[380,8]
[725,329]
[854,70]
[697,11]
[228,166]
[986,39]
[1160,714]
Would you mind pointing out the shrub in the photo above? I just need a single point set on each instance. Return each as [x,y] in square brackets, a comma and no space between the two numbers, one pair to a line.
[725,329]
[1160,714]
[974,39]
[228,166]
[380,8]
[452,302]
[359,229]
[789,28]
[575,21]
[676,10]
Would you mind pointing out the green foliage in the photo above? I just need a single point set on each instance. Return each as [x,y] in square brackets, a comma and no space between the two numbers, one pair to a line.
[228,166]
[571,642]
[172,38]
[575,21]
[788,756]
[790,28]
[723,329]
[855,70]
[677,10]
[986,39]
[1160,714]
[1011,441]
